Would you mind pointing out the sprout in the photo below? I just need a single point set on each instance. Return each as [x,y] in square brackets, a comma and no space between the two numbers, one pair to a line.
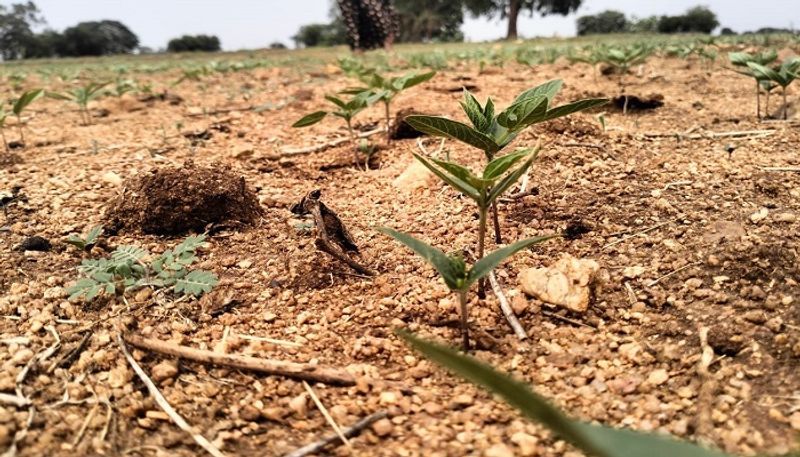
[81,96]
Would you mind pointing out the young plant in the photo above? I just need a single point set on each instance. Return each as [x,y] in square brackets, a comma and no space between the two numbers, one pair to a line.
[622,59]
[593,439]
[19,106]
[454,271]
[3,117]
[783,76]
[130,268]
[346,110]
[82,96]
[742,59]
[386,89]
[492,132]
[86,243]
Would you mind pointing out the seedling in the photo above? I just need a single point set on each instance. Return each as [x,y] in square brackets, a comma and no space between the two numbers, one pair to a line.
[386,89]
[491,132]
[347,110]
[622,59]
[82,96]
[783,76]
[86,243]
[741,60]
[122,87]
[130,268]
[454,271]
[3,117]
[593,439]
[19,106]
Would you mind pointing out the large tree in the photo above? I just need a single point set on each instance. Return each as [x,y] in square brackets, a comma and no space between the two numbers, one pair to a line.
[98,38]
[16,34]
[510,9]
[430,20]
[370,24]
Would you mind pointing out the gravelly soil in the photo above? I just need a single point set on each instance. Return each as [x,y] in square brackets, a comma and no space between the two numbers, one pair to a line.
[716,237]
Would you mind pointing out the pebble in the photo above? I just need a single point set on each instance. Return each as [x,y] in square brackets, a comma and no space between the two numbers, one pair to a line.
[528,444]
[794,421]
[164,370]
[499,450]
[462,401]
[382,427]
[658,377]
[299,405]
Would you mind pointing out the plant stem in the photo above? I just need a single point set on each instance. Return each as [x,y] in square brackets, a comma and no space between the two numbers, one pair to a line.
[785,106]
[353,141]
[462,301]
[481,238]
[758,101]
[388,122]
[498,239]
[5,143]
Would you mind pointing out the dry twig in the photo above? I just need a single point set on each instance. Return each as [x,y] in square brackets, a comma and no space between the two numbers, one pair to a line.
[506,308]
[327,415]
[710,135]
[349,432]
[164,404]
[329,144]
[305,371]
[705,424]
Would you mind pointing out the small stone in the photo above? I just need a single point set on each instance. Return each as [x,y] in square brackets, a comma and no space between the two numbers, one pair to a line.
[415,176]
[299,405]
[785,217]
[432,408]
[382,427]
[112,178]
[528,444]
[389,398]
[567,283]
[166,369]
[499,450]
[755,316]
[759,215]
[462,401]
[794,421]
[250,413]
[633,272]
[658,377]
[693,283]
[245,264]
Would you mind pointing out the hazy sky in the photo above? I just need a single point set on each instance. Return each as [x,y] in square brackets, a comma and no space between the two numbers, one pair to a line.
[242,24]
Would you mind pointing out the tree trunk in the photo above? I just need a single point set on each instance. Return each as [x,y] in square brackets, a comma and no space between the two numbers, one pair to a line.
[513,15]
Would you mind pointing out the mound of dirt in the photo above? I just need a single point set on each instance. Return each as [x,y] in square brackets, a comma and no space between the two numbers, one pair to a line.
[9,159]
[172,200]
[636,103]
[573,126]
[400,129]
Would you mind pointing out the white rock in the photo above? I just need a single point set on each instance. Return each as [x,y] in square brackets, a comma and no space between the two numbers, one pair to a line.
[759,215]
[633,272]
[567,283]
[112,178]
[658,377]
[414,177]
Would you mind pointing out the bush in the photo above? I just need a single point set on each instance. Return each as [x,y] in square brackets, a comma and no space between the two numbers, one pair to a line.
[608,21]
[311,35]
[194,43]
[97,38]
[696,20]
[277,45]
[727,31]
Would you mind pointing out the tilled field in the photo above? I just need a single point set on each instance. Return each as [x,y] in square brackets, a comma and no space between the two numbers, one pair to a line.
[693,232]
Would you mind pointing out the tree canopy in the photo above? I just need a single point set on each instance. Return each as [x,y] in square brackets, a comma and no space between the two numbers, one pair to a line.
[510,9]
[193,43]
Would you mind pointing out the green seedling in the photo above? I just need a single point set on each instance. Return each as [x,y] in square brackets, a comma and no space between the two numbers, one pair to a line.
[81,96]
[386,89]
[3,117]
[454,270]
[593,439]
[742,59]
[346,110]
[130,268]
[19,107]
[782,76]
[122,87]
[492,132]
[86,243]
[622,59]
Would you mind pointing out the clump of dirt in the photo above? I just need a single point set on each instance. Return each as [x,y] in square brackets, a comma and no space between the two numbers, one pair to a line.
[573,126]
[400,129]
[174,200]
[636,103]
[9,159]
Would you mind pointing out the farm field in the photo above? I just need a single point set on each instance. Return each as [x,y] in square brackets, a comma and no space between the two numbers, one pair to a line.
[689,207]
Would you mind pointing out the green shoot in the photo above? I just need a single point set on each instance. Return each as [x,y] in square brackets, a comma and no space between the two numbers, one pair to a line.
[454,271]
[783,76]
[130,268]
[593,440]
[346,110]
[622,59]
[386,89]
[19,106]
[82,96]
[743,59]
[85,244]
[3,117]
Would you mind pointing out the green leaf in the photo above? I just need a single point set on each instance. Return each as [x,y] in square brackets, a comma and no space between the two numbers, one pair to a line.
[310,119]
[593,440]
[574,107]
[451,270]
[511,178]
[94,235]
[128,253]
[196,283]
[523,113]
[485,265]
[474,112]
[456,182]
[59,96]
[87,287]
[443,127]
[404,82]
[26,99]
[548,89]
[500,165]
[336,101]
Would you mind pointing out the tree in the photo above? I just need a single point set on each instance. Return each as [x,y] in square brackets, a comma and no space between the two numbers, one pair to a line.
[16,33]
[609,21]
[311,35]
[510,9]
[429,20]
[98,38]
[370,24]
[194,43]
[696,20]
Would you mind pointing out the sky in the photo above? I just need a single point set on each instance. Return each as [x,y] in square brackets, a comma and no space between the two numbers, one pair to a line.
[252,24]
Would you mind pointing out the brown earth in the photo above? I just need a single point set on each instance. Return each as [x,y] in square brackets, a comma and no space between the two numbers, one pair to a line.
[714,236]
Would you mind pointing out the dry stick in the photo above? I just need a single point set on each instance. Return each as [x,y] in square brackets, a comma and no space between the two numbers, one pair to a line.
[700,136]
[15,400]
[349,432]
[506,308]
[327,415]
[164,404]
[584,145]
[705,424]
[673,272]
[566,319]
[220,111]
[85,425]
[788,169]
[330,144]
[306,371]
[650,229]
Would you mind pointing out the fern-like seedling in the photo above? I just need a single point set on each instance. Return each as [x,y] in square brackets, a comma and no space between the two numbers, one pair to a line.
[19,107]
[81,96]
[86,243]
[130,268]
[782,76]
[454,270]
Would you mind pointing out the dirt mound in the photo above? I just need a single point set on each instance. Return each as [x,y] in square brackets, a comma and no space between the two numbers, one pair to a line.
[9,159]
[173,200]
[400,129]
[573,126]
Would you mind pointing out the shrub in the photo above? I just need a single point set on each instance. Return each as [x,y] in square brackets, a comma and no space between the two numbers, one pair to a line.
[609,21]
[97,38]
[194,43]
[696,20]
